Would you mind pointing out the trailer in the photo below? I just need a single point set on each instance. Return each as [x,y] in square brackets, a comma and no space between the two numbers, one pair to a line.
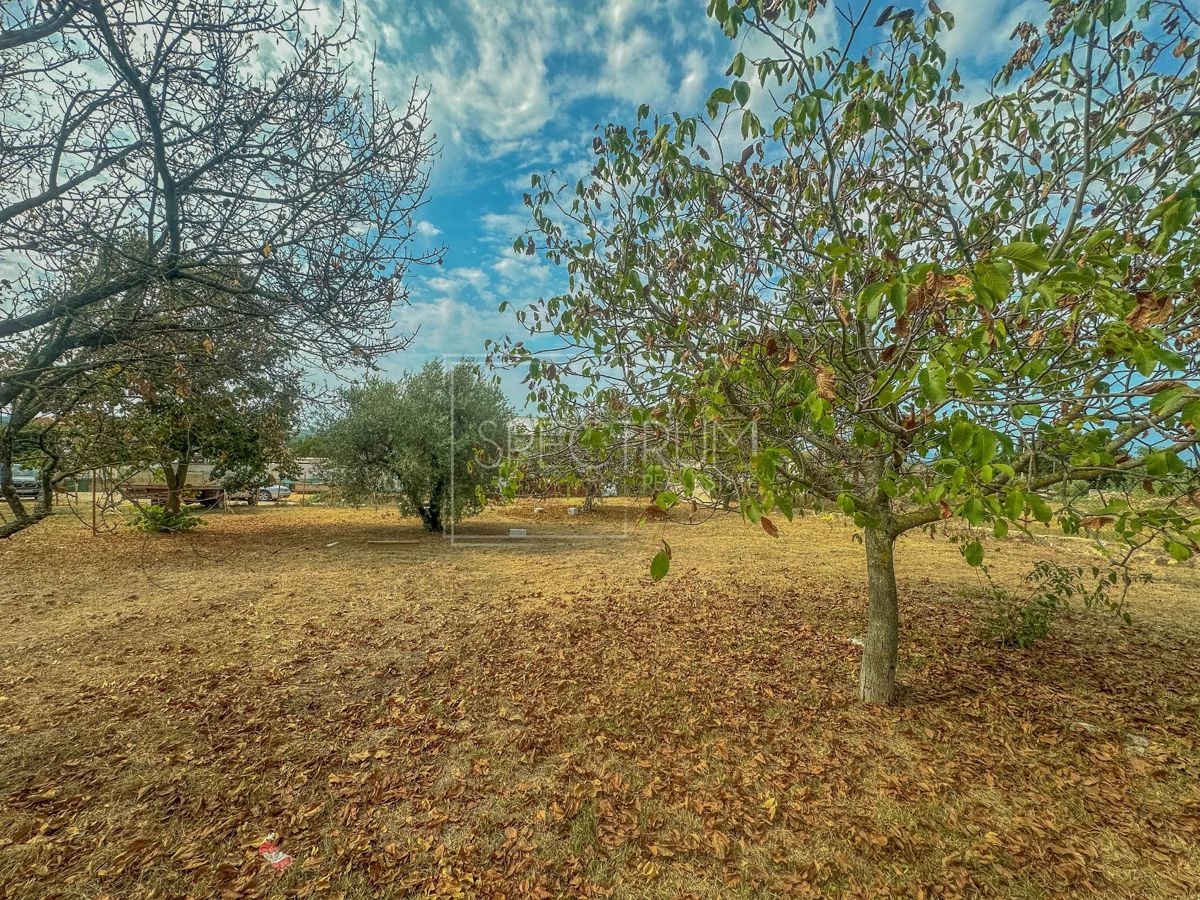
[150,486]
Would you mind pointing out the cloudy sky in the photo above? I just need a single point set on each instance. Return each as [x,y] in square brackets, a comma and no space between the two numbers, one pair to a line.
[518,86]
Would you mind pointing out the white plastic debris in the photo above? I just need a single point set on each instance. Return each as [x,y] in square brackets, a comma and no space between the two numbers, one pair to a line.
[270,851]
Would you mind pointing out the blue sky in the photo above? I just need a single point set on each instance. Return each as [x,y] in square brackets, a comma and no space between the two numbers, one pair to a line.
[518,86]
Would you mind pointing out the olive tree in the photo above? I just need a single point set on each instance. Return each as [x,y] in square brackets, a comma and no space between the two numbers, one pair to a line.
[930,300]
[433,441]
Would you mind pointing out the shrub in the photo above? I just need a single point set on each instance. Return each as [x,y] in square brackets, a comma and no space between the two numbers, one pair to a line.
[158,520]
[1020,623]
[1022,620]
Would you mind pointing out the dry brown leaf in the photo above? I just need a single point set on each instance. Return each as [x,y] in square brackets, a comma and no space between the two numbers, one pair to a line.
[790,358]
[826,383]
[1150,310]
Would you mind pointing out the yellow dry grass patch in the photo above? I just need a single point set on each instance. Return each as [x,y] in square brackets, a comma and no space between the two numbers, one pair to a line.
[538,719]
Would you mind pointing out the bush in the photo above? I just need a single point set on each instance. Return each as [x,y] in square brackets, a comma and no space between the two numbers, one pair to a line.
[157,520]
[1022,621]
[1017,623]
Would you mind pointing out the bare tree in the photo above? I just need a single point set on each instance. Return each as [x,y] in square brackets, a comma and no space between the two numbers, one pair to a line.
[229,149]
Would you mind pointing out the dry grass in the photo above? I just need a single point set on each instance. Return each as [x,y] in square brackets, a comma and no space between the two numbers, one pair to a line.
[540,720]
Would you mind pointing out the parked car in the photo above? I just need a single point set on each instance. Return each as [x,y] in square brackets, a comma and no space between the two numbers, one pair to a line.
[274,492]
[25,483]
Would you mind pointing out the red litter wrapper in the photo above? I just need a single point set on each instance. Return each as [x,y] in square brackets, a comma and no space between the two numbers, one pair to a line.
[270,851]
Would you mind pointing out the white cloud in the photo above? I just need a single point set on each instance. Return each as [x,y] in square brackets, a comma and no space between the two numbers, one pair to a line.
[981,30]
[505,76]
[618,13]
[477,278]
[456,281]
[505,226]
[696,74]
[634,70]
[493,80]
[427,229]
[447,326]
[518,269]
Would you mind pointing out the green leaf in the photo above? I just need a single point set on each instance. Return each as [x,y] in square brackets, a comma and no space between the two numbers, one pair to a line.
[741,92]
[1041,511]
[870,299]
[687,478]
[1179,552]
[717,98]
[973,553]
[1169,397]
[660,565]
[1025,256]
[983,446]
[1191,413]
[932,379]
[752,509]
[974,511]
[961,435]
[992,283]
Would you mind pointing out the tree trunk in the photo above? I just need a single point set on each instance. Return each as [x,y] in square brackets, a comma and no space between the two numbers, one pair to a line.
[7,491]
[22,518]
[431,517]
[46,501]
[176,479]
[172,501]
[431,513]
[877,680]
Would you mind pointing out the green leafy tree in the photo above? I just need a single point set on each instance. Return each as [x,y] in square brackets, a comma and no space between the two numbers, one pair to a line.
[308,443]
[433,441]
[239,427]
[926,307]
[204,390]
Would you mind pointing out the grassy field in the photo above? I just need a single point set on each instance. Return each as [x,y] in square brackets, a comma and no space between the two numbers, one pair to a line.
[537,719]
